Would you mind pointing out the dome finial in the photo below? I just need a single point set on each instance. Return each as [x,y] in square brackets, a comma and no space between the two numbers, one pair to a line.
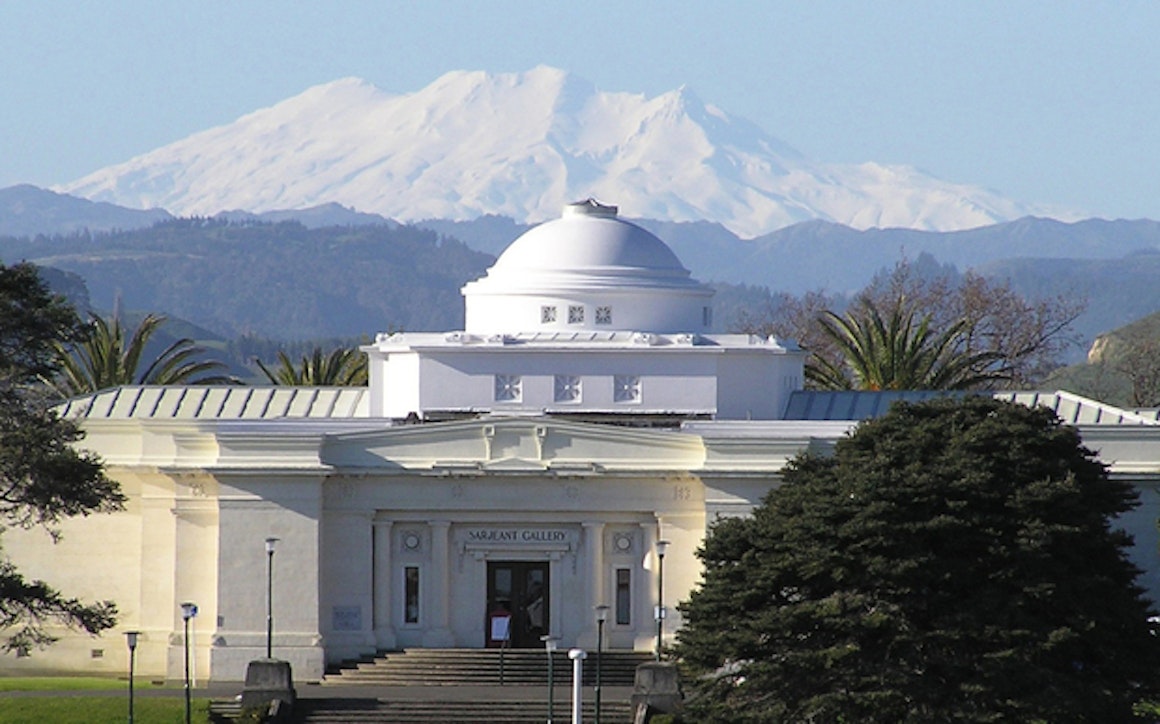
[589,207]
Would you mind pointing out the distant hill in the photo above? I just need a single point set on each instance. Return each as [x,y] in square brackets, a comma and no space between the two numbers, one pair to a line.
[1118,291]
[351,271]
[818,255]
[282,281]
[27,211]
[30,211]
[1122,366]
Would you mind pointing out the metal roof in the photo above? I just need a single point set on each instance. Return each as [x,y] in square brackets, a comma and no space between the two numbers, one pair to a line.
[821,405]
[197,402]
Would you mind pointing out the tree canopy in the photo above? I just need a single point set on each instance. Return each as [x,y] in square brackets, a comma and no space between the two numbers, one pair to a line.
[103,357]
[1004,339]
[43,478]
[343,367]
[900,351]
[954,560]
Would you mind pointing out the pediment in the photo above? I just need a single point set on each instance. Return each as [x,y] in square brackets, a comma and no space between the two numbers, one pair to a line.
[514,444]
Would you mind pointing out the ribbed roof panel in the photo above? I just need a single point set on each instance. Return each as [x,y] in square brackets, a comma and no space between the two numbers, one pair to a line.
[220,403]
[863,405]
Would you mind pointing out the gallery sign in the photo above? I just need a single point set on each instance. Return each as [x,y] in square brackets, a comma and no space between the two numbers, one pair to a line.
[517,535]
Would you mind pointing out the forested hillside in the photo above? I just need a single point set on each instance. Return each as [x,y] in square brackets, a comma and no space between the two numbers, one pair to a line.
[281,281]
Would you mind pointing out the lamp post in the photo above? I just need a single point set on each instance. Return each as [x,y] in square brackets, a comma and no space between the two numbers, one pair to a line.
[188,611]
[577,656]
[131,638]
[270,543]
[550,646]
[662,546]
[601,617]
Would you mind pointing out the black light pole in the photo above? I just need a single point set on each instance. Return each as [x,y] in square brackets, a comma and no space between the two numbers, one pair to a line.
[662,545]
[601,616]
[550,646]
[188,611]
[131,637]
[270,543]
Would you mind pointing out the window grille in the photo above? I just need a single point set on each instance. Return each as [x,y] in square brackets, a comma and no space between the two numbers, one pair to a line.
[567,388]
[508,388]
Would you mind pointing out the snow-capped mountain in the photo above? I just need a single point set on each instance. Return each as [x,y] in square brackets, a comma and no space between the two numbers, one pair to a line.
[521,145]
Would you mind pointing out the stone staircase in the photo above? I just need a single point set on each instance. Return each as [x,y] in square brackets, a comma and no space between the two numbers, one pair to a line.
[461,686]
[483,667]
[364,711]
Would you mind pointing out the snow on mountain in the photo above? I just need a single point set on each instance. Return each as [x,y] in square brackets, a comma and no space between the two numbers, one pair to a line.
[521,145]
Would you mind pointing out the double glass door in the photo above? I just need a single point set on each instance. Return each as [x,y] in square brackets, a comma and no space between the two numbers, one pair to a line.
[518,589]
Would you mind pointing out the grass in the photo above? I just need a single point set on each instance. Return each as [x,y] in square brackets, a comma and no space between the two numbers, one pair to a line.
[106,709]
[99,710]
[62,683]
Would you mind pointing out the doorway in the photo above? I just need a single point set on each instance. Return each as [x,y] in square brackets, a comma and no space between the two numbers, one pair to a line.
[519,588]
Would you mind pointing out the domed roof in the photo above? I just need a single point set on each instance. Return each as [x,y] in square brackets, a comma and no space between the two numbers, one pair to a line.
[590,239]
[588,245]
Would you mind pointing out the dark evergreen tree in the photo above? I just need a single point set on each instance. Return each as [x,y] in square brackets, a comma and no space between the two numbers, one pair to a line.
[43,479]
[953,561]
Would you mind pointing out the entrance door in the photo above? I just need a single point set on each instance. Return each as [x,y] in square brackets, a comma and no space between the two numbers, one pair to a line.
[521,589]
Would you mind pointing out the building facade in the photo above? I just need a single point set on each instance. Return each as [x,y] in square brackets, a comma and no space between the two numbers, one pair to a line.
[525,467]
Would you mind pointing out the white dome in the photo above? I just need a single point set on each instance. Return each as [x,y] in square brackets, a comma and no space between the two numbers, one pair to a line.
[592,259]
[590,240]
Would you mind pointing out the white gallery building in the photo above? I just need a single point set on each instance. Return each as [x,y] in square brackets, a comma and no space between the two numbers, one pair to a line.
[527,465]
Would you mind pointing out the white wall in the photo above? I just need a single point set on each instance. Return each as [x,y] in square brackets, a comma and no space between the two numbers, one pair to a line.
[638,310]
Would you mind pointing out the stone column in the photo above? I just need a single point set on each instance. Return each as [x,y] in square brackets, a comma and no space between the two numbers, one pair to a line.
[438,632]
[646,587]
[594,555]
[383,590]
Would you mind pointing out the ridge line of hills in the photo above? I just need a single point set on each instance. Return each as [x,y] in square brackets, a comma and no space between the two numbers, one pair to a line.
[330,272]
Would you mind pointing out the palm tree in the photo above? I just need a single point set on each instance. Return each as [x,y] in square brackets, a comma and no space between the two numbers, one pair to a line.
[102,358]
[899,352]
[344,367]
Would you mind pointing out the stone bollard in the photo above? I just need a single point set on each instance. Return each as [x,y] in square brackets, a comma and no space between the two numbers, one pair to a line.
[267,680]
[657,686]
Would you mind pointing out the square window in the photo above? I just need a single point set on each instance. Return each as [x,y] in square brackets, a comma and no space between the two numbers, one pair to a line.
[508,388]
[547,314]
[626,388]
[567,388]
[576,314]
[604,315]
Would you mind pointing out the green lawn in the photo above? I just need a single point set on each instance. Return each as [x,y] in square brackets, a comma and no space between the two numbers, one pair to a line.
[89,709]
[98,710]
[62,683]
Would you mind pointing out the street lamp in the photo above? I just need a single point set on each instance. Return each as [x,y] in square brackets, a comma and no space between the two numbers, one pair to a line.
[577,656]
[188,611]
[270,543]
[550,646]
[662,546]
[131,637]
[601,617]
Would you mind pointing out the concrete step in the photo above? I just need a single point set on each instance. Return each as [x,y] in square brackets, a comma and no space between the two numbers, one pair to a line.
[333,711]
[445,667]
[379,711]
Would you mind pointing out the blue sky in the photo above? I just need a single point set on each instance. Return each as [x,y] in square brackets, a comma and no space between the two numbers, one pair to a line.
[1045,102]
